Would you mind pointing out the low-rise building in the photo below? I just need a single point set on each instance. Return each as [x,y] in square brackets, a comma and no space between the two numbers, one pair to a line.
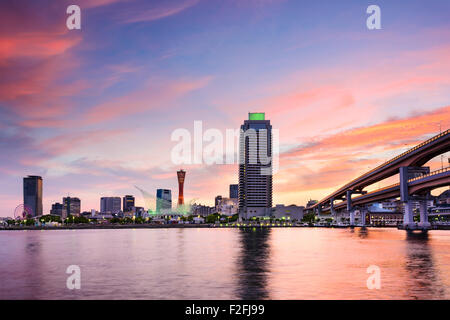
[198,220]
[440,213]
[291,212]
[443,198]
[228,206]
[201,210]
[378,215]
[57,209]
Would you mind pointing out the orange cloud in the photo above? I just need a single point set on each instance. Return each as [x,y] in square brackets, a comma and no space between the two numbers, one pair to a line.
[389,135]
[323,164]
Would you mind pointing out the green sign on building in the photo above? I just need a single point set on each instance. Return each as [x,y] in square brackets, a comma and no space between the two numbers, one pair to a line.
[256,116]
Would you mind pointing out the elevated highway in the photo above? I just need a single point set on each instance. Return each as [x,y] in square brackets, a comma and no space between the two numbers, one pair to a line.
[415,157]
[416,186]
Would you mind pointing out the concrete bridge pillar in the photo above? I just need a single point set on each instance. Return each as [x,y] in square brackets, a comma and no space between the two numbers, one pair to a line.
[363,212]
[424,214]
[408,217]
[352,217]
[333,211]
[350,208]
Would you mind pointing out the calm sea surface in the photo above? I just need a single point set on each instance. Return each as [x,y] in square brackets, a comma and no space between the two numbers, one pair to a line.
[280,263]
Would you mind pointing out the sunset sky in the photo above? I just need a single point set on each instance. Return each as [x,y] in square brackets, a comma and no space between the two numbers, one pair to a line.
[92,110]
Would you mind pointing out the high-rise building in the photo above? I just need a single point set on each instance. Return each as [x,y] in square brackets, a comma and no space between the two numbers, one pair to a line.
[72,206]
[32,194]
[255,167]
[163,201]
[110,205]
[57,209]
[128,203]
[234,191]
[181,174]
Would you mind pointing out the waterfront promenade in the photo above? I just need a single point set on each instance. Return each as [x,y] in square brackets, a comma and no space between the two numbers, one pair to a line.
[192,226]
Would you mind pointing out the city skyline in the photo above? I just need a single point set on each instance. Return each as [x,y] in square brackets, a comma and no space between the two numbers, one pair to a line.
[72,112]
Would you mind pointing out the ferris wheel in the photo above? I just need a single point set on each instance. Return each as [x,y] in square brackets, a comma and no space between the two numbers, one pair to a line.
[22,211]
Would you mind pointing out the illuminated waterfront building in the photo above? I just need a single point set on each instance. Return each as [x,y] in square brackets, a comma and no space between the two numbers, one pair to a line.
[72,206]
[32,194]
[128,203]
[163,201]
[255,167]
[234,191]
[57,209]
[291,212]
[110,205]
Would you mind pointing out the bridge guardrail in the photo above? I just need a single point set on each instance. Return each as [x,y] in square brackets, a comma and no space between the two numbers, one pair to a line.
[410,180]
[430,174]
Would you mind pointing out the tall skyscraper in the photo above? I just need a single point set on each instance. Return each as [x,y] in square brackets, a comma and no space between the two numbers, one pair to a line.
[32,194]
[110,204]
[255,167]
[234,189]
[128,203]
[71,206]
[163,201]
[181,174]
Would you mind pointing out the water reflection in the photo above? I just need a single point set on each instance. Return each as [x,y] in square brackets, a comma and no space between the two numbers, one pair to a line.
[31,271]
[363,232]
[423,279]
[253,264]
[278,263]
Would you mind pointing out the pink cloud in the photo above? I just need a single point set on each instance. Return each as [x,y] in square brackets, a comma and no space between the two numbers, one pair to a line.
[65,143]
[152,96]
[156,12]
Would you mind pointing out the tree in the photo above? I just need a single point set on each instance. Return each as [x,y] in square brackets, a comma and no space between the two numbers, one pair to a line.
[81,219]
[139,220]
[50,218]
[115,220]
[309,218]
[212,218]
[30,222]
[126,220]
